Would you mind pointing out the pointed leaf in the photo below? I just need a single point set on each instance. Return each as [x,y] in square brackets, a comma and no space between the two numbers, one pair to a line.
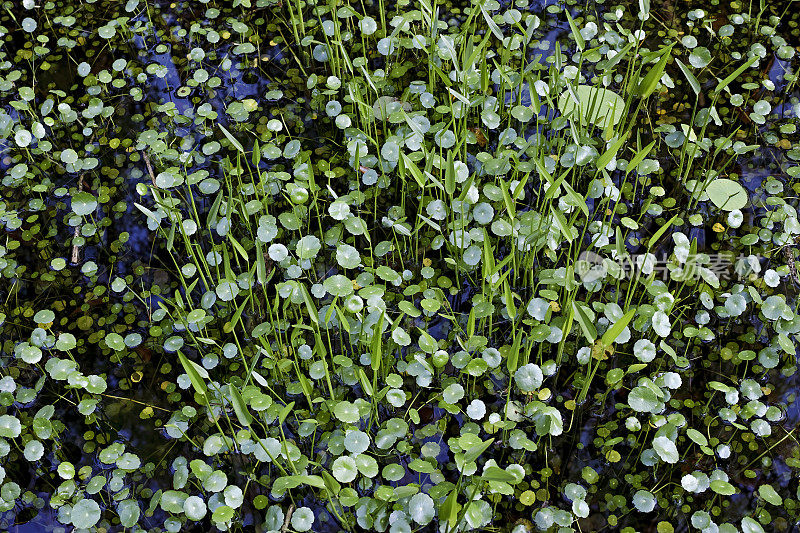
[475,451]
[192,369]
[689,76]
[575,33]
[236,144]
[614,331]
[449,510]
[588,329]
[649,83]
[239,407]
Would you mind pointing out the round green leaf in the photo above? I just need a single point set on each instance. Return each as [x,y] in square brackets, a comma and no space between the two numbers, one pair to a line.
[666,449]
[344,469]
[338,285]
[83,203]
[115,341]
[308,247]
[85,514]
[727,194]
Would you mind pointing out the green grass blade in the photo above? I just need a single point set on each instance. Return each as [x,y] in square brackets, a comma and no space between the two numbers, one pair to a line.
[614,331]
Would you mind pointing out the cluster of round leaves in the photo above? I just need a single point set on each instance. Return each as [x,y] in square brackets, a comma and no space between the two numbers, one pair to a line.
[314,307]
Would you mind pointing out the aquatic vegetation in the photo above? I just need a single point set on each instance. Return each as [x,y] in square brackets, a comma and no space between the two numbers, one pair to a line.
[285,265]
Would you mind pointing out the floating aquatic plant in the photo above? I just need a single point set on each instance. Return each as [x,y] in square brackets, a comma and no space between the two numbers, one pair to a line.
[324,266]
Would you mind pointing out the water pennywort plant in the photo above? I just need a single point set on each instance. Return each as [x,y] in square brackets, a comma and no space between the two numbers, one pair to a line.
[399,266]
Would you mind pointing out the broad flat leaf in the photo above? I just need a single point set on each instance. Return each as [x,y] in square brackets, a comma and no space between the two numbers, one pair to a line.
[313,481]
[492,24]
[638,157]
[599,106]
[427,342]
[579,40]
[285,412]
[513,356]
[376,345]
[642,399]
[727,194]
[611,152]
[770,495]
[735,74]
[657,235]
[312,310]
[697,437]
[561,223]
[750,525]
